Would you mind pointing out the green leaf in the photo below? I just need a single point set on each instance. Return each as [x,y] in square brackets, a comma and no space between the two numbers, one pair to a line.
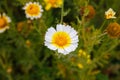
[101,76]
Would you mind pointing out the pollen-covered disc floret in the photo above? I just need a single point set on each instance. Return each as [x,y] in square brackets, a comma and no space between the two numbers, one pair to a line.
[110,14]
[64,39]
[33,10]
[4,22]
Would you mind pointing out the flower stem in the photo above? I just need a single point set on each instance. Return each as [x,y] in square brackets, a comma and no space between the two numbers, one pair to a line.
[62,10]
[36,26]
[9,77]
[101,27]
[99,35]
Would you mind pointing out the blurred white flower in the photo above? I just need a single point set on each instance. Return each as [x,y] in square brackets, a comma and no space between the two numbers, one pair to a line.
[4,22]
[33,10]
[110,14]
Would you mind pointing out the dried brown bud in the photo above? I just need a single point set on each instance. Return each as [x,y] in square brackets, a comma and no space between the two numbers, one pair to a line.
[20,26]
[113,30]
[90,9]
[24,27]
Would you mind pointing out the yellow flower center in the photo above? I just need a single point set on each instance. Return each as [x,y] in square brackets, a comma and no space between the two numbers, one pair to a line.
[33,9]
[3,23]
[61,39]
[109,15]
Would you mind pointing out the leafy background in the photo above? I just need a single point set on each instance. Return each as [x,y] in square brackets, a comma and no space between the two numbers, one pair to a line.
[23,55]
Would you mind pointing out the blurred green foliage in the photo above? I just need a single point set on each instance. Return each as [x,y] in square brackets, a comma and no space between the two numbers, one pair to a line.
[23,55]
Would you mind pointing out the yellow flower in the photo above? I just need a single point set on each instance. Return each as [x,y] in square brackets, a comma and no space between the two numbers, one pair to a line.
[64,39]
[4,22]
[33,10]
[82,53]
[80,66]
[88,61]
[53,3]
[28,43]
[110,14]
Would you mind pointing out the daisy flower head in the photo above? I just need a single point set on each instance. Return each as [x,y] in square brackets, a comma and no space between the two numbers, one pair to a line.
[53,4]
[64,39]
[4,22]
[33,10]
[110,14]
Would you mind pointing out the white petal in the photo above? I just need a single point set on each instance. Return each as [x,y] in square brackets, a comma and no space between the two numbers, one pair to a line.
[50,46]
[34,2]
[50,32]
[40,7]
[59,27]
[48,38]
[71,48]
[3,30]
[30,3]
[73,33]
[113,17]
[67,29]
[75,39]
[31,18]
[24,8]
[9,20]
[4,14]
[60,50]
[27,16]
[63,51]
[40,15]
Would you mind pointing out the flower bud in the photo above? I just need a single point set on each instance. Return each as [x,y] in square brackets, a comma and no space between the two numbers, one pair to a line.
[113,30]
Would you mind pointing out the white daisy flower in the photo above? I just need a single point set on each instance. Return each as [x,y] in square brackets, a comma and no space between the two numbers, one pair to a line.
[33,10]
[110,14]
[64,39]
[4,22]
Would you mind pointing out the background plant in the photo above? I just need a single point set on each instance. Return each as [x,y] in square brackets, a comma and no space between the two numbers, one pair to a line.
[23,55]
